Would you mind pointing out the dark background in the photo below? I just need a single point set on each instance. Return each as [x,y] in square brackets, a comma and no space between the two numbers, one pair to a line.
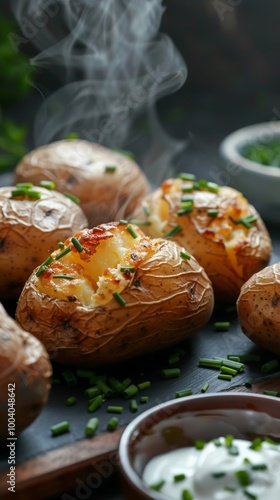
[231,49]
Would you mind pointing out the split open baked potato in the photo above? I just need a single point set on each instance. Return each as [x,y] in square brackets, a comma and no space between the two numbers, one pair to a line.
[113,293]
[24,376]
[32,222]
[217,225]
[108,184]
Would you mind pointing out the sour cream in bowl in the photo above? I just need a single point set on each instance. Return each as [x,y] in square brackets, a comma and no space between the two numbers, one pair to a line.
[209,447]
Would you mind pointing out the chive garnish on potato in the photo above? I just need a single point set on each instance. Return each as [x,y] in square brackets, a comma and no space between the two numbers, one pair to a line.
[175,230]
[119,299]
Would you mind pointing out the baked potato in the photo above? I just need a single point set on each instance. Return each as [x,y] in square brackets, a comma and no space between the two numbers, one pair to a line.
[217,225]
[108,184]
[24,376]
[113,293]
[258,308]
[32,222]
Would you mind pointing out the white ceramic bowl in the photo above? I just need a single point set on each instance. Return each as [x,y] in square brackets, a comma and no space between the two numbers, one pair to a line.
[259,183]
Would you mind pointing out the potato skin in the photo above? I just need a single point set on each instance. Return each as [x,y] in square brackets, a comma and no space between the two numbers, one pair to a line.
[168,298]
[79,167]
[206,237]
[26,369]
[258,307]
[29,231]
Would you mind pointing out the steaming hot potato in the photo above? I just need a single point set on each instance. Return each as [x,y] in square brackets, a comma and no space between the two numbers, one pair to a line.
[258,307]
[113,294]
[25,375]
[216,224]
[108,184]
[32,222]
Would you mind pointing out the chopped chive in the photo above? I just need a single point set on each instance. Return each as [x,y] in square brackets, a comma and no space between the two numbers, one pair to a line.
[229,440]
[18,192]
[170,373]
[144,399]
[77,244]
[72,197]
[217,442]
[187,201]
[60,244]
[123,221]
[210,363]
[186,176]
[71,401]
[224,376]
[64,252]
[95,403]
[183,393]
[60,428]
[258,466]
[47,184]
[233,450]
[179,477]
[186,495]
[140,222]
[187,189]
[246,221]
[217,475]
[110,168]
[132,231]
[221,326]
[268,392]
[55,381]
[24,185]
[173,359]
[199,444]
[243,477]
[157,486]
[32,193]
[250,495]
[71,136]
[146,210]
[230,489]
[213,187]
[256,444]
[184,211]
[231,364]
[246,358]
[270,365]
[92,426]
[144,385]
[212,212]
[119,299]
[247,461]
[229,371]
[125,383]
[133,405]
[70,378]
[185,255]
[130,391]
[205,387]
[44,266]
[232,357]
[104,388]
[92,392]
[112,424]
[86,374]
[116,385]
[248,384]
[129,269]
[175,230]
[114,409]
[64,276]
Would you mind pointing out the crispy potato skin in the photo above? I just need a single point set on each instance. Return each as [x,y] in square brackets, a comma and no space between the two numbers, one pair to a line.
[258,307]
[26,366]
[168,298]
[29,231]
[79,167]
[230,253]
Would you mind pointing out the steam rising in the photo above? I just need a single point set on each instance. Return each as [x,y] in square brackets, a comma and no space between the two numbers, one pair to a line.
[114,65]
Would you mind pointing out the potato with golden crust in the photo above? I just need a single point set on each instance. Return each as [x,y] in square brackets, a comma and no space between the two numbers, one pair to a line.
[112,294]
[108,184]
[24,375]
[217,225]
[32,222]
[258,308]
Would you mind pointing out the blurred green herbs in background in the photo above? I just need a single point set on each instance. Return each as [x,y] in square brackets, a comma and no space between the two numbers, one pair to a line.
[15,83]
[265,154]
